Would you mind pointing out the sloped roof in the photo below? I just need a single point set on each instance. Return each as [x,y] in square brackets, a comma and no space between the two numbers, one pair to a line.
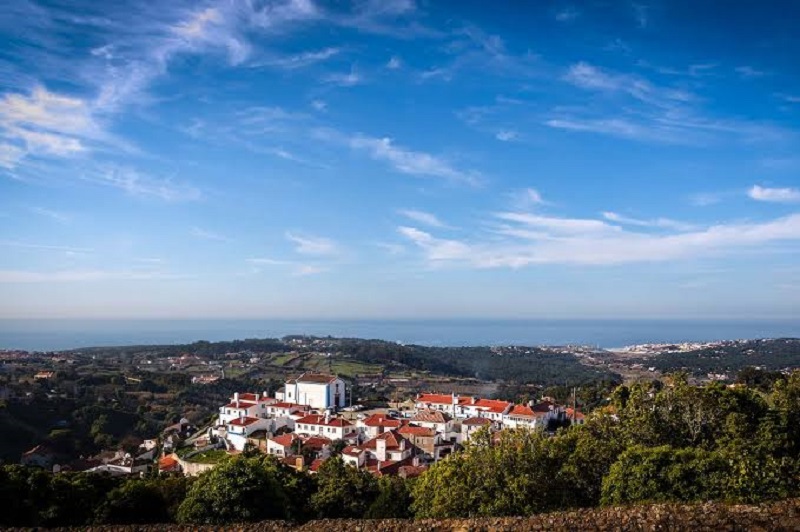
[416,431]
[443,399]
[431,416]
[352,450]
[492,405]
[476,421]
[316,442]
[380,420]
[316,378]
[574,414]
[317,419]
[244,421]
[285,440]
[392,441]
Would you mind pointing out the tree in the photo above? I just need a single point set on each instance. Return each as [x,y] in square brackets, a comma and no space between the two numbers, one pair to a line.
[342,491]
[136,501]
[237,490]
[393,500]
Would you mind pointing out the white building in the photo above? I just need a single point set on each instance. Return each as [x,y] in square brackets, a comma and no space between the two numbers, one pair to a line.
[315,390]
[472,425]
[331,428]
[239,429]
[245,405]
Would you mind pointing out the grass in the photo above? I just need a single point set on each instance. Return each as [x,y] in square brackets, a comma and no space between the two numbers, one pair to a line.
[212,456]
[280,360]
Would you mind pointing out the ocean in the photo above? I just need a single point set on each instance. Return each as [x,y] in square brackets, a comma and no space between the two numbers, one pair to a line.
[51,335]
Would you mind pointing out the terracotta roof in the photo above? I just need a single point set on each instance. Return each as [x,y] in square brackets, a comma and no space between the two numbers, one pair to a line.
[316,464]
[416,431]
[316,442]
[285,440]
[286,405]
[443,399]
[522,410]
[492,405]
[544,406]
[243,405]
[244,421]
[317,419]
[392,441]
[577,414]
[410,471]
[250,397]
[476,421]
[352,450]
[379,420]
[167,462]
[316,378]
[431,416]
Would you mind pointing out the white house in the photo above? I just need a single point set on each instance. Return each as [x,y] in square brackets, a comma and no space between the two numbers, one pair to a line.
[240,428]
[488,408]
[438,421]
[245,405]
[316,390]
[451,404]
[282,445]
[377,424]
[354,456]
[471,425]
[324,425]
[531,417]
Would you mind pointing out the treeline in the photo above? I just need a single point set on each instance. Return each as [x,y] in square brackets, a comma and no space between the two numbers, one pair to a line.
[775,355]
[657,442]
[531,365]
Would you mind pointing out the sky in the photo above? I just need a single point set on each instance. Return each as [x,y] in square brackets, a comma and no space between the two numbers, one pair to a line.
[400,159]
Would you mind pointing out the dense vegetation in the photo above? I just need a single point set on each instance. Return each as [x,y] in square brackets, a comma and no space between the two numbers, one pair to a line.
[658,441]
[731,357]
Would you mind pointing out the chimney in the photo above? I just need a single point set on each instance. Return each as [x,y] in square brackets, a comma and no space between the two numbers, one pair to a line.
[327,417]
[474,399]
[299,463]
[380,450]
[455,399]
[236,399]
[257,396]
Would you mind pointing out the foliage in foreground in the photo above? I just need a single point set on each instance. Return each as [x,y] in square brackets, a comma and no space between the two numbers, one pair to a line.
[658,442]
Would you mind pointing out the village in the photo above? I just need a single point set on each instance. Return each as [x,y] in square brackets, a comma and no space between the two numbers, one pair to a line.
[307,421]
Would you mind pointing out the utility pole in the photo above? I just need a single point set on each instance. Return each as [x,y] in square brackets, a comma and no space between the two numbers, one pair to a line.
[574,405]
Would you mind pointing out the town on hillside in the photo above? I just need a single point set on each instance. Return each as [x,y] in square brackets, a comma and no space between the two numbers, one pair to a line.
[307,421]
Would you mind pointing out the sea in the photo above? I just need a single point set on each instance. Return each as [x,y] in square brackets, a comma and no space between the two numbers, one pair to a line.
[63,334]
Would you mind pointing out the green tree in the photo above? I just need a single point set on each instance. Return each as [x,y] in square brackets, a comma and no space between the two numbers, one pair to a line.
[393,500]
[342,491]
[237,490]
[134,502]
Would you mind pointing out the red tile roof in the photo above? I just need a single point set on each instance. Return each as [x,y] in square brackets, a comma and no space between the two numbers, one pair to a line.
[392,441]
[316,442]
[286,405]
[286,440]
[352,450]
[577,414]
[316,464]
[317,419]
[379,420]
[167,463]
[442,399]
[522,410]
[244,421]
[476,421]
[416,431]
[492,405]
[431,416]
[243,405]
[250,397]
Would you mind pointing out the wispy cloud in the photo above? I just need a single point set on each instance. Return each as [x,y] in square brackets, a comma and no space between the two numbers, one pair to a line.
[410,162]
[423,217]
[394,63]
[68,276]
[205,234]
[56,216]
[348,79]
[641,13]
[137,183]
[774,195]
[567,14]
[313,245]
[301,60]
[296,269]
[527,198]
[664,223]
[749,72]
[527,239]
[506,135]
[45,247]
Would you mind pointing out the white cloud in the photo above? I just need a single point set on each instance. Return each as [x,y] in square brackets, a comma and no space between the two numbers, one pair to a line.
[529,197]
[529,239]
[391,248]
[59,217]
[10,155]
[590,77]
[349,79]
[45,247]
[567,14]
[394,63]
[319,105]
[308,269]
[506,135]
[664,223]
[66,276]
[774,195]
[136,183]
[301,60]
[313,245]
[207,235]
[422,217]
[408,161]
[749,72]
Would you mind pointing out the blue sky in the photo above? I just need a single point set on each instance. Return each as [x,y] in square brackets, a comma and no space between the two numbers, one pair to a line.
[394,159]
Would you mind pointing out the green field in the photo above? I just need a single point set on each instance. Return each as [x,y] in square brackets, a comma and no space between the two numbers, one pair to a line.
[212,456]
